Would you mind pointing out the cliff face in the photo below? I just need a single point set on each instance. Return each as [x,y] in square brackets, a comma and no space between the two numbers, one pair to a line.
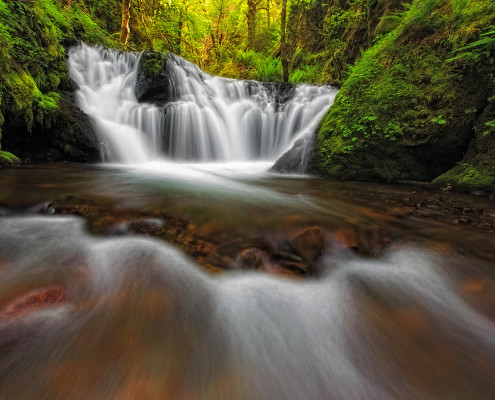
[418,101]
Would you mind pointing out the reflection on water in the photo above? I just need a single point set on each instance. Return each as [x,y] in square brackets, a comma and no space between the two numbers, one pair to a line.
[127,318]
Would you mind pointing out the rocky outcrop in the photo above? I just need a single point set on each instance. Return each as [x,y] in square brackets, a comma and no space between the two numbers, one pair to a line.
[295,160]
[281,92]
[409,109]
[153,80]
[69,135]
[475,173]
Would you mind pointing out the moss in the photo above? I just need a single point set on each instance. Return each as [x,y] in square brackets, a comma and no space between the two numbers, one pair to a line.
[21,92]
[153,63]
[8,160]
[401,113]
[468,178]
[32,59]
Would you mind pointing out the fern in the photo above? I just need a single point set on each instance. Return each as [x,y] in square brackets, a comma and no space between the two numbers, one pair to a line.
[268,69]
[482,49]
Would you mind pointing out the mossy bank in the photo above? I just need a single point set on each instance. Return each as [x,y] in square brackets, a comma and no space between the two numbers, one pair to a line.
[418,104]
[38,120]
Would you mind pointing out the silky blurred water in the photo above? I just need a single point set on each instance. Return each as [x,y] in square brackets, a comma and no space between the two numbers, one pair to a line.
[142,320]
[205,118]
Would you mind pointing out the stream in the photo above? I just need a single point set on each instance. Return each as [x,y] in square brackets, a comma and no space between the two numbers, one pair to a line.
[191,272]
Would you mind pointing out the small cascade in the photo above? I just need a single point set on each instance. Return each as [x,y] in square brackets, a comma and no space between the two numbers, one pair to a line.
[226,119]
[130,131]
[206,118]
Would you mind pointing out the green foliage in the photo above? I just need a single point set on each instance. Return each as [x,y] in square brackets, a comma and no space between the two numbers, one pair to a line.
[32,58]
[479,51]
[308,73]
[8,159]
[247,57]
[268,69]
[402,93]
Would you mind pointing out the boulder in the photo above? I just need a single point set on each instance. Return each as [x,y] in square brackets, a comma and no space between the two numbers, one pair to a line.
[69,135]
[296,159]
[153,81]
[308,242]
[281,92]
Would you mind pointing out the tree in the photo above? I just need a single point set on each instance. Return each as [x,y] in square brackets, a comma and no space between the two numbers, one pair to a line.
[124,30]
[283,43]
[251,20]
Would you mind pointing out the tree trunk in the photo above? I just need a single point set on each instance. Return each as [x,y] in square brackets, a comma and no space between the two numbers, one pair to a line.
[268,13]
[251,22]
[283,44]
[179,35]
[124,30]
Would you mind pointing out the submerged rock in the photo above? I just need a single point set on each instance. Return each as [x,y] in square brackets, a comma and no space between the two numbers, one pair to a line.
[308,243]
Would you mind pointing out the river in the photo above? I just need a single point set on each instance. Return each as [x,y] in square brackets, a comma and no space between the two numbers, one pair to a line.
[135,279]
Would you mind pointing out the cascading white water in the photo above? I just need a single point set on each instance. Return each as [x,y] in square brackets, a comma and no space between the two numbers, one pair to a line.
[226,119]
[207,118]
[140,319]
[106,79]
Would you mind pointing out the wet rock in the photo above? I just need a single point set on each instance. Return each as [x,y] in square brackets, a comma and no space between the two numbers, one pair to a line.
[253,259]
[281,92]
[233,247]
[372,240]
[299,268]
[296,160]
[308,243]
[68,135]
[344,238]
[153,80]
[34,300]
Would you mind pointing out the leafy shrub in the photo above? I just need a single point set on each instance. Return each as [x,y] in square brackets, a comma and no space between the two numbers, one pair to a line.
[268,69]
[307,74]
[247,58]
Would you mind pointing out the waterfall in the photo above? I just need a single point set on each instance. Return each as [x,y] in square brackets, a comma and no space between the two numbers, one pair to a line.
[106,80]
[206,118]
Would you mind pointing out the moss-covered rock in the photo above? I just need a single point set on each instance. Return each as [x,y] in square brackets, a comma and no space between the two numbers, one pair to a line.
[406,112]
[153,80]
[8,159]
[475,173]
[71,136]
[33,71]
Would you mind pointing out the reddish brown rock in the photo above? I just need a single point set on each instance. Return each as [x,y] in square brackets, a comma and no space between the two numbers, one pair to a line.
[344,238]
[253,258]
[308,243]
[36,299]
